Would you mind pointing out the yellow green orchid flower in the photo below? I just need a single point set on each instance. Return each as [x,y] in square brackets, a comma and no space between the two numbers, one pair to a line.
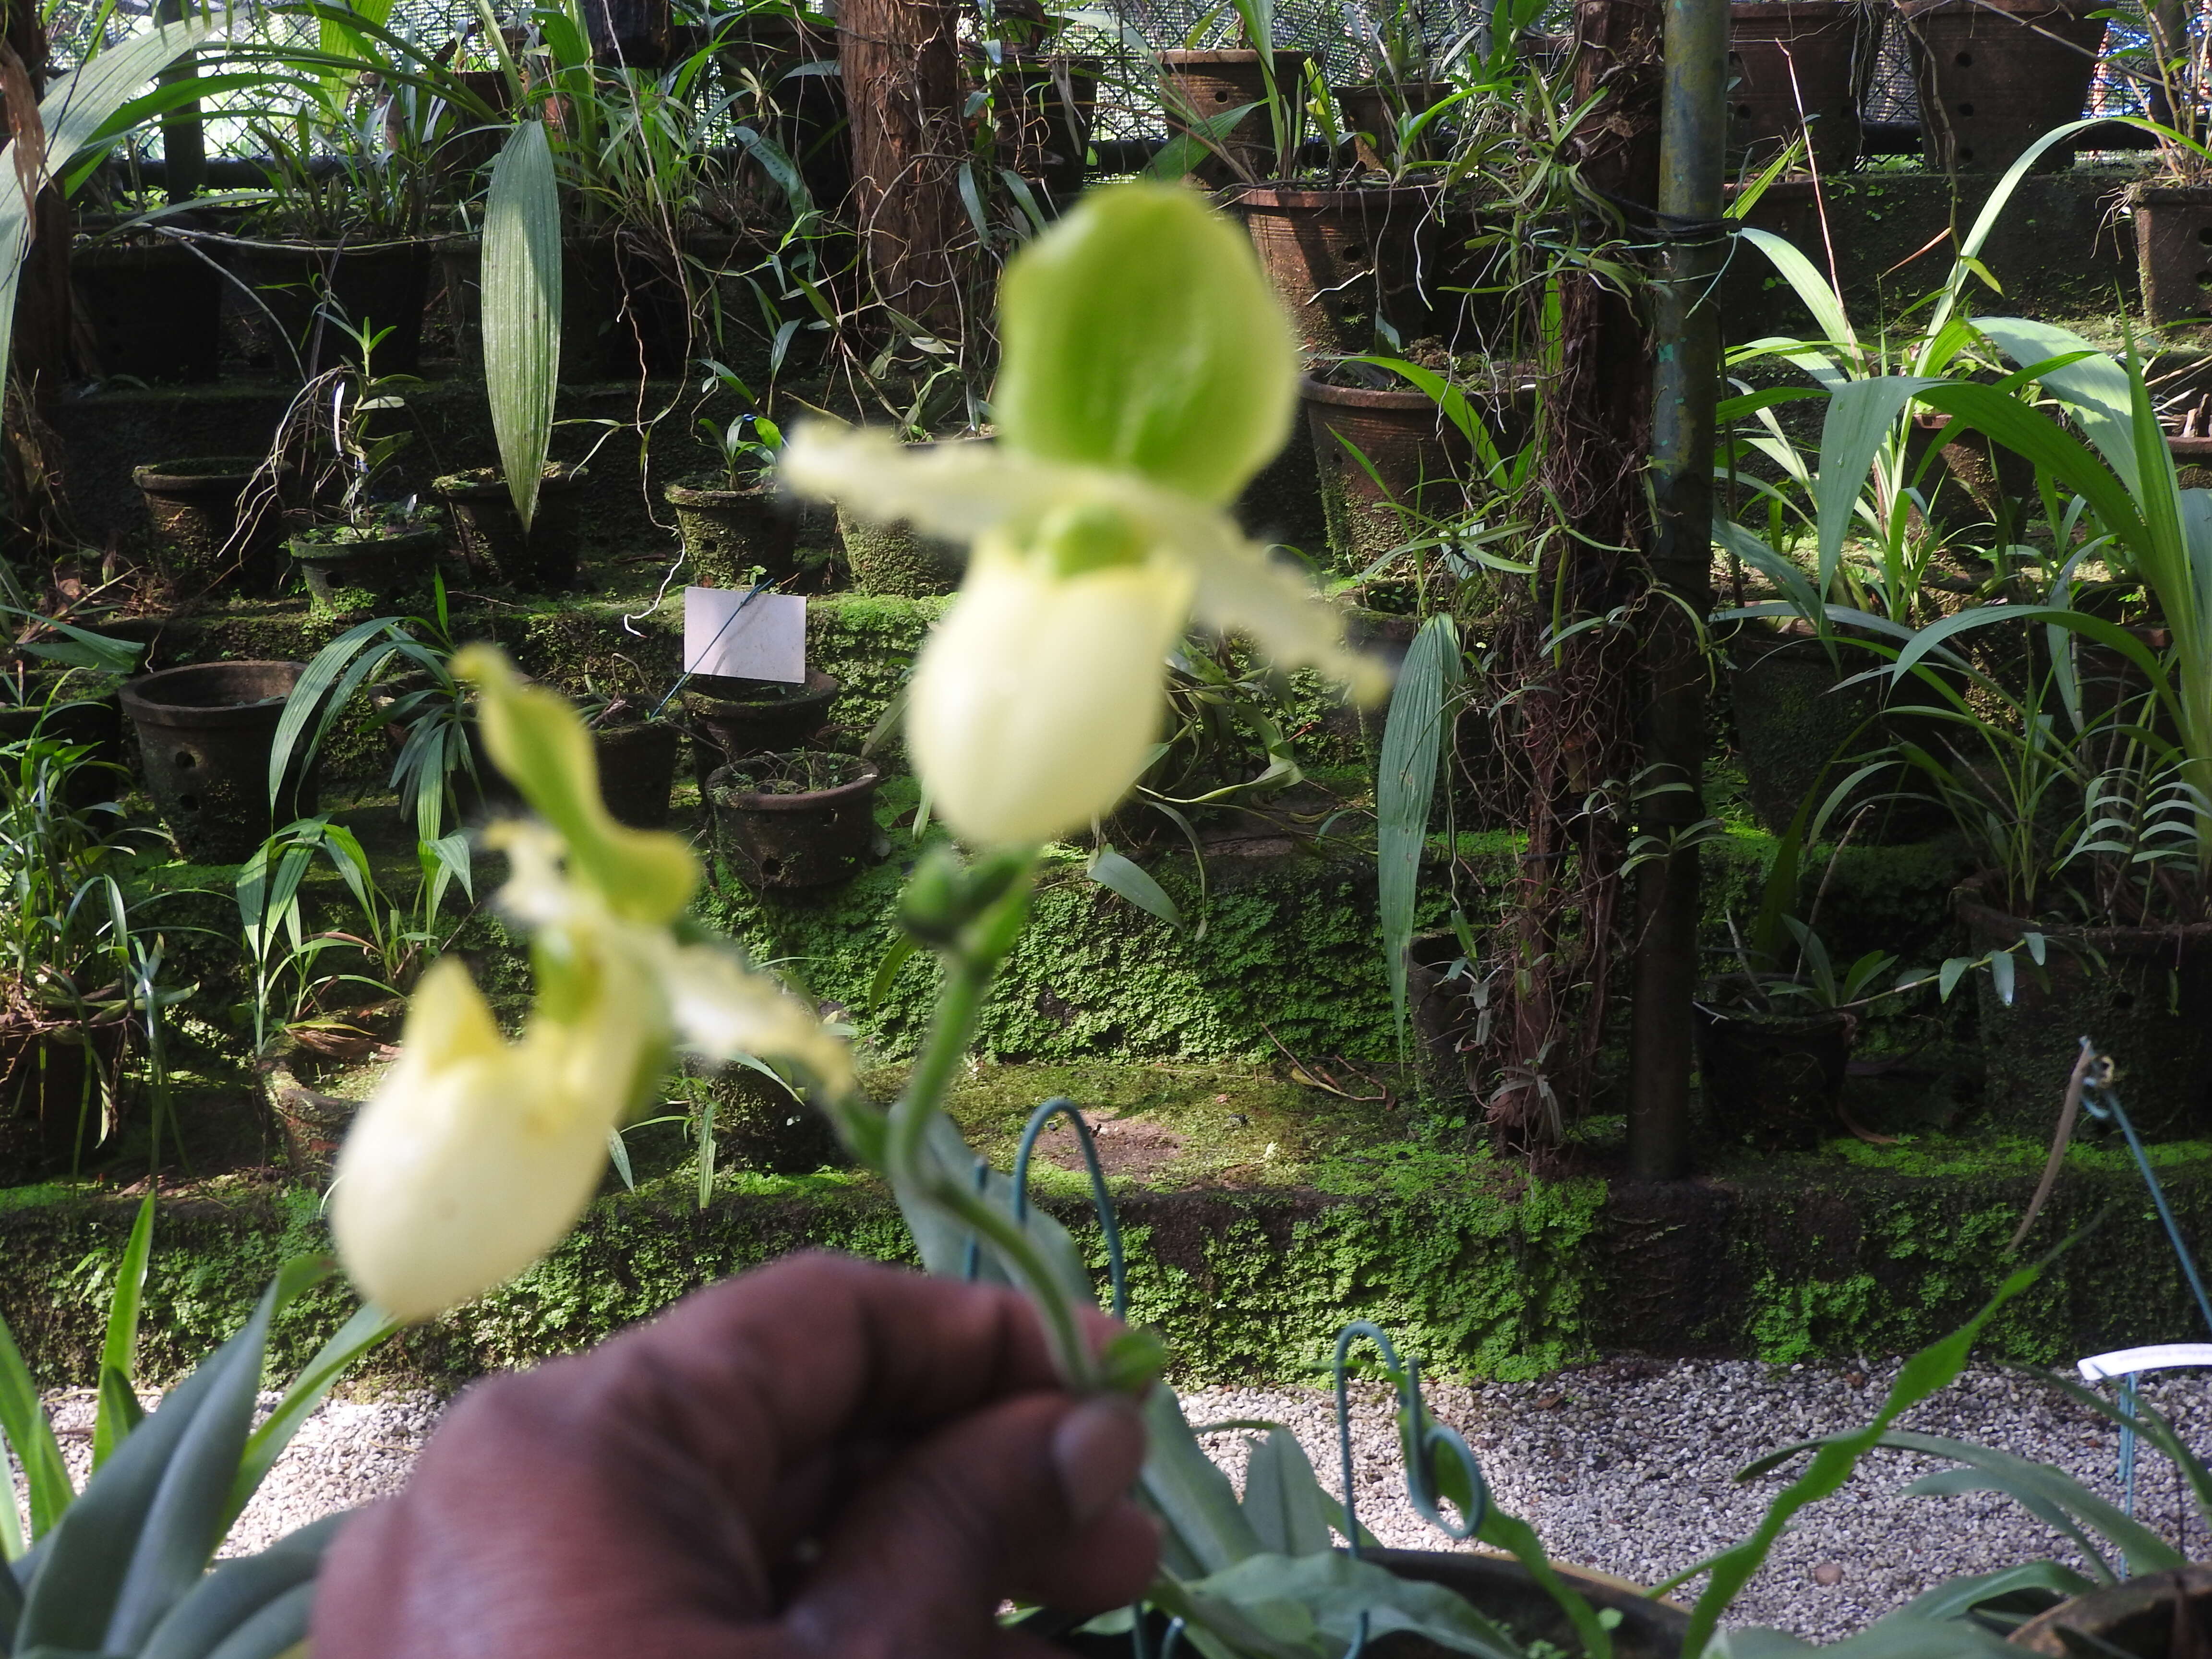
[1148,374]
[475,1155]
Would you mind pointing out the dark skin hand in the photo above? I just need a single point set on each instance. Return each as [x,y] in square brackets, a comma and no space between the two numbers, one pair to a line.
[821,1457]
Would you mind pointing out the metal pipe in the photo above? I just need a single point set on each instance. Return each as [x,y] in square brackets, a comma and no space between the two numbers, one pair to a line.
[1686,341]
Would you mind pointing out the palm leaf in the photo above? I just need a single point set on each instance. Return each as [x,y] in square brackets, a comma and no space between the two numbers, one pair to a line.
[521,307]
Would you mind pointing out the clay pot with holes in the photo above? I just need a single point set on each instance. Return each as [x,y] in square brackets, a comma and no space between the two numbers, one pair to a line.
[732,720]
[1797,68]
[539,559]
[2144,994]
[730,533]
[204,734]
[1345,261]
[1994,75]
[71,707]
[802,819]
[2173,250]
[637,769]
[1203,84]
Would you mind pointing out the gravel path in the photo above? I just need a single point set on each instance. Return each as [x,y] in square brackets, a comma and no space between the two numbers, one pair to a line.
[1626,1466]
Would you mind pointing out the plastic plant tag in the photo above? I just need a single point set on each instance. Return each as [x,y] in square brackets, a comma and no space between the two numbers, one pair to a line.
[749,635]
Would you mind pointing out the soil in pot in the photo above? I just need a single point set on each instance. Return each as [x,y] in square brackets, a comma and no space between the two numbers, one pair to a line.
[379,286]
[1994,76]
[212,518]
[369,569]
[204,734]
[2173,250]
[1797,69]
[804,818]
[51,1099]
[637,768]
[2142,994]
[730,533]
[154,312]
[1345,262]
[1205,84]
[1772,1077]
[734,719]
[489,531]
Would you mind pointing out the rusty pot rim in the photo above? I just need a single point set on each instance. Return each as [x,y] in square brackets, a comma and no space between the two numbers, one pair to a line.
[692,494]
[818,687]
[1295,198]
[1223,57]
[2076,10]
[740,801]
[1314,391]
[483,483]
[2192,449]
[1968,902]
[195,475]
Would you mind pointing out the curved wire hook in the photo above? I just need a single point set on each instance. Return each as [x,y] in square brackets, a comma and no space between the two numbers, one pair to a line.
[1117,1273]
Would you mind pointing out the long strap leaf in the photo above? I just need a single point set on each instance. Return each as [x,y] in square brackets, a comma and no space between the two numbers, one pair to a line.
[1406,787]
[521,307]
[368,1327]
[24,1428]
[118,1354]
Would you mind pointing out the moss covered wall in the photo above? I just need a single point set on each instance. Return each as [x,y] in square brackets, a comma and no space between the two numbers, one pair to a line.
[1479,1268]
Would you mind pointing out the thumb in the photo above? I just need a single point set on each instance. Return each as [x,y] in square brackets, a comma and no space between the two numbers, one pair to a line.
[1026,1497]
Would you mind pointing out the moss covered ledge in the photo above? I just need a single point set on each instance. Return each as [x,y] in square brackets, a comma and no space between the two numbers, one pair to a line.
[1483,1267]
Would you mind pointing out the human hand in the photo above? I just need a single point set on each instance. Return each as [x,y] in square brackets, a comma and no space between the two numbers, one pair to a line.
[822,1456]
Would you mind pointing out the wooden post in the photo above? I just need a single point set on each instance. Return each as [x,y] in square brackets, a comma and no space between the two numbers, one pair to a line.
[901,63]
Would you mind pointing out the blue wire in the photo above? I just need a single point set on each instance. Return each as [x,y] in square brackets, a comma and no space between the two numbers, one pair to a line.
[1101,1201]
[751,594]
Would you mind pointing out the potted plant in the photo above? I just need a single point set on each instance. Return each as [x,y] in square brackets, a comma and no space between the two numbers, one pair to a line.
[1393,109]
[1994,75]
[736,533]
[367,548]
[734,719]
[1239,111]
[803,818]
[213,518]
[64,997]
[541,560]
[637,750]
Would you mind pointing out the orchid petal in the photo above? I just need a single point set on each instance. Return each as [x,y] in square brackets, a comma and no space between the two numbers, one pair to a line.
[723,1009]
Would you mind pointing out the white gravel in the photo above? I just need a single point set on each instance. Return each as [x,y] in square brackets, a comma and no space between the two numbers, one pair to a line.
[1626,1466]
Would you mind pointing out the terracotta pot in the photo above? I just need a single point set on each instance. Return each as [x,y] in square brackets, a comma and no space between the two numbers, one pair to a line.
[1345,261]
[732,720]
[154,312]
[1208,84]
[728,533]
[1771,1080]
[895,559]
[1380,455]
[2192,460]
[313,1126]
[211,519]
[810,839]
[54,1078]
[2143,996]
[345,576]
[2173,250]
[637,771]
[1994,75]
[1796,67]
[204,734]
[2159,1616]
[489,531]
[1044,117]
[383,285]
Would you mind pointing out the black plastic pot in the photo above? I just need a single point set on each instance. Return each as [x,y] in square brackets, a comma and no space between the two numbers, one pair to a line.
[637,771]
[811,838]
[732,720]
[345,576]
[1496,1584]
[209,519]
[1772,1080]
[729,533]
[204,734]
[153,313]
[376,286]
[489,531]
[2143,994]
[2159,1615]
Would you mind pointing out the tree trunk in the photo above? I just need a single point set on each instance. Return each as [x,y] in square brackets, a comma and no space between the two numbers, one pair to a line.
[900,65]
[1576,712]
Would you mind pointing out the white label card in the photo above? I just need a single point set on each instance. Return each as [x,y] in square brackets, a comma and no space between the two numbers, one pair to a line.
[742,635]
